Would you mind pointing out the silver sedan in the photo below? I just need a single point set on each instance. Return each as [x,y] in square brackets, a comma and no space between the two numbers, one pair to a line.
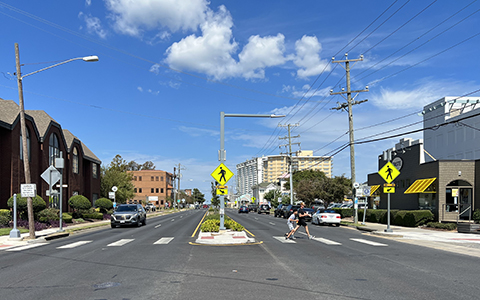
[326,216]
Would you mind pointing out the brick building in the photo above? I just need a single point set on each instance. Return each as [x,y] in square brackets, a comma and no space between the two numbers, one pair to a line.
[45,140]
[153,186]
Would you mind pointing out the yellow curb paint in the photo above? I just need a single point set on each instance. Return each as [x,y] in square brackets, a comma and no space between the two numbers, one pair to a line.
[198,226]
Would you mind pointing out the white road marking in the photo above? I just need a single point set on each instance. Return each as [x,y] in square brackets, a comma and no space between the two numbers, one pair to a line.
[26,247]
[325,241]
[271,223]
[158,225]
[283,240]
[73,245]
[369,242]
[120,243]
[173,220]
[163,241]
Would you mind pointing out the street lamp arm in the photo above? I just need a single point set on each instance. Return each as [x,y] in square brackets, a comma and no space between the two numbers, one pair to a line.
[254,116]
[86,58]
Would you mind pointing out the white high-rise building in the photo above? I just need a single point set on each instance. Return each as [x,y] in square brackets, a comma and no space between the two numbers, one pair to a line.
[249,173]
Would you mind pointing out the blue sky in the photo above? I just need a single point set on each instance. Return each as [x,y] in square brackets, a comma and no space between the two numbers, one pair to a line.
[168,68]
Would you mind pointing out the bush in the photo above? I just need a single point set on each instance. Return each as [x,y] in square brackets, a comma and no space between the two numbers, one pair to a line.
[344,212]
[38,205]
[407,218]
[95,215]
[104,204]
[79,202]
[5,217]
[212,224]
[49,214]
[447,226]
[67,217]
[476,216]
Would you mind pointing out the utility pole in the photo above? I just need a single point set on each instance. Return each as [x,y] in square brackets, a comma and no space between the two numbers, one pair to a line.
[174,177]
[349,105]
[289,137]
[179,176]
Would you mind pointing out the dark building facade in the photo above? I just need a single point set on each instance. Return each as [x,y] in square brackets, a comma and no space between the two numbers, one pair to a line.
[45,140]
[446,187]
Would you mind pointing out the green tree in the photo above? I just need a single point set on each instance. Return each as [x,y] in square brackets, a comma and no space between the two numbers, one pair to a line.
[215,198]
[148,165]
[198,196]
[116,175]
[338,188]
[272,197]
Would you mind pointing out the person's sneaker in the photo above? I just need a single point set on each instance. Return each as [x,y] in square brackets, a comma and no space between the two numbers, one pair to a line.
[311,237]
[293,238]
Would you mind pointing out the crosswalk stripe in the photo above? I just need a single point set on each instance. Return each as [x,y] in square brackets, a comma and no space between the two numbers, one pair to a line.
[26,247]
[325,241]
[120,243]
[73,245]
[283,240]
[369,242]
[163,241]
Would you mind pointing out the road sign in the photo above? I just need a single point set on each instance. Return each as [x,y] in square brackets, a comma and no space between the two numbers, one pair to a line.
[388,172]
[111,195]
[222,191]
[28,190]
[222,174]
[114,189]
[253,199]
[55,176]
[389,188]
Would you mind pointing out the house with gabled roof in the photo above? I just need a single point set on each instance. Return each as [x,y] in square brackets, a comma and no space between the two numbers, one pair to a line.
[46,140]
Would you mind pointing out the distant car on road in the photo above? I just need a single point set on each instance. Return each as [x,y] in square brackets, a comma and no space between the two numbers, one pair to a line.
[150,207]
[128,214]
[326,216]
[310,212]
[264,209]
[243,209]
[253,207]
[276,212]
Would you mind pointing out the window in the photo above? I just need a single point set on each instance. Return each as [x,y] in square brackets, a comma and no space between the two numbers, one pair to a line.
[156,178]
[135,190]
[140,190]
[152,190]
[53,148]
[28,146]
[161,190]
[161,178]
[135,178]
[139,178]
[151,178]
[94,170]
[75,160]
[156,190]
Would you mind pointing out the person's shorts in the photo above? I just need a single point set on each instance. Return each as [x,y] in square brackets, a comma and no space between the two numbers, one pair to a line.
[302,223]
[291,226]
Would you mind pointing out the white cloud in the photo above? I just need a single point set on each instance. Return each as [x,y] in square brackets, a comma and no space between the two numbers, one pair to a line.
[307,57]
[140,89]
[133,17]
[94,25]
[88,2]
[418,94]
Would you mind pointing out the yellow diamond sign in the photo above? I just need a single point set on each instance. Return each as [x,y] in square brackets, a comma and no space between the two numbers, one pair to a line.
[388,172]
[222,174]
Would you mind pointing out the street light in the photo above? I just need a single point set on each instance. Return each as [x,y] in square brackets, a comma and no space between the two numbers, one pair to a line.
[26,163]
[222,156]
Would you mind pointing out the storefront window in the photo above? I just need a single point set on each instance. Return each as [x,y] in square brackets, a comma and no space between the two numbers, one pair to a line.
[427,202]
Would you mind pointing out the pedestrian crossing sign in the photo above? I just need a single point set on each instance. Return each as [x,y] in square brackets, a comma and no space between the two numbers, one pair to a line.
[388,172]
[222,174]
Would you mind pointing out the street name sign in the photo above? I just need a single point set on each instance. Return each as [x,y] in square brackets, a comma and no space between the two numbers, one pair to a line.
[388,172]
[222,174]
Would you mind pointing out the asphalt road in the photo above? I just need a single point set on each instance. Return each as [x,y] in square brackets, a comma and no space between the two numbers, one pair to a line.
[156,261]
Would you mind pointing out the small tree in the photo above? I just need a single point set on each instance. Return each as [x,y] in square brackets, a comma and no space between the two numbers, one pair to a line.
[79,204]
[104,204]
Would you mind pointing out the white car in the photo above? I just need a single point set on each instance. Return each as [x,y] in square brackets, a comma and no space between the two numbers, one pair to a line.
[326,216]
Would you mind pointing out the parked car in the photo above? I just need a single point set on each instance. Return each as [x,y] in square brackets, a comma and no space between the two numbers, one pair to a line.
[310,212]
[276,212]
[150,207]
[288,210]
[326,216]
[252,207]
[243,209]
[128,214]
[264,209]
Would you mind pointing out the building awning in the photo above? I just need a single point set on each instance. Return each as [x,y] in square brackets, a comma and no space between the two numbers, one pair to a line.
[373,189]
[420,185]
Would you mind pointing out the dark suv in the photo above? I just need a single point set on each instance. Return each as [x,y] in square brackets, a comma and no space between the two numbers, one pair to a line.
[288,210]
[264,209]
[129,214]
[252,207]
[276,212]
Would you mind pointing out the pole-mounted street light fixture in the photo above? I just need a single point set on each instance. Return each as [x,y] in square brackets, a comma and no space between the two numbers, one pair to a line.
[222,156]
[26,163]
